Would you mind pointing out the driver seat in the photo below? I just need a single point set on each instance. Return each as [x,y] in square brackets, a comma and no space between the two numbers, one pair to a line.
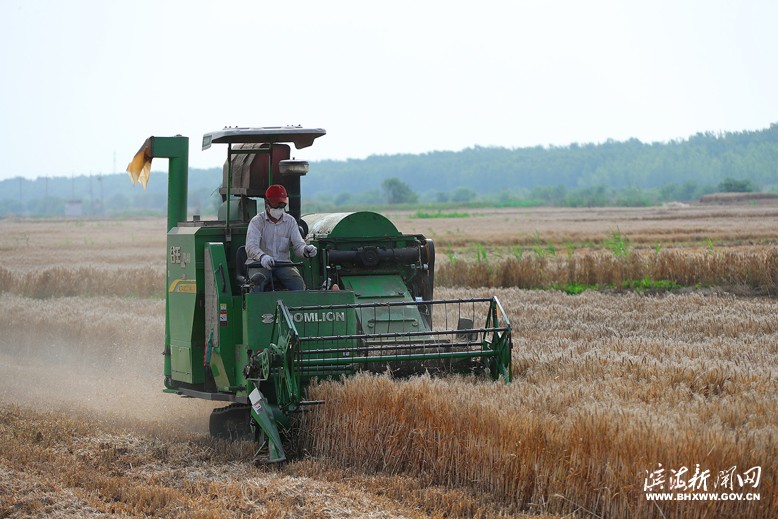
[242,269]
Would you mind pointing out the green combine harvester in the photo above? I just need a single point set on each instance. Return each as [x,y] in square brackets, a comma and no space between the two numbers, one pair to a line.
[368,305]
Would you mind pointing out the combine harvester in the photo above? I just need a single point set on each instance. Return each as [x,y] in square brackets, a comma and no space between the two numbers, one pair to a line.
[368,304]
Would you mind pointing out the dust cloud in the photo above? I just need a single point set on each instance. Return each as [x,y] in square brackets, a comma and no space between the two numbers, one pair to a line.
[97,359]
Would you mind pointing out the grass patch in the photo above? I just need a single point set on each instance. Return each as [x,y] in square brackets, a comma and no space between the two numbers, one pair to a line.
[573,289]
[439,214]
[617,243]
[529,202]
[642,285]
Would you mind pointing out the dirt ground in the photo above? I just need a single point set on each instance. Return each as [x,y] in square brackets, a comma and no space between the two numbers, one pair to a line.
[673,224]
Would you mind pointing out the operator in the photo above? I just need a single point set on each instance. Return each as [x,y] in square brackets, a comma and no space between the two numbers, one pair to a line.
[268,239]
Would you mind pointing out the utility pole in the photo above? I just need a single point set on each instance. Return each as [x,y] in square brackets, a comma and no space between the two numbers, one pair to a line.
[100,180]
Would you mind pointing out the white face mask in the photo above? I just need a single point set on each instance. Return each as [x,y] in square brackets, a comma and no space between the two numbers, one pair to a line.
[275,213]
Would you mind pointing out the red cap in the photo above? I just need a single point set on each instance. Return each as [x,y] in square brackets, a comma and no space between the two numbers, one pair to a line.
[276,194]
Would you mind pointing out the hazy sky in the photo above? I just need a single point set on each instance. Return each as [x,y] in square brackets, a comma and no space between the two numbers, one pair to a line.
[84,83]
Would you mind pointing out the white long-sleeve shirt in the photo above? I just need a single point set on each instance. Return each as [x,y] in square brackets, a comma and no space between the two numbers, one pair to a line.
[274,238]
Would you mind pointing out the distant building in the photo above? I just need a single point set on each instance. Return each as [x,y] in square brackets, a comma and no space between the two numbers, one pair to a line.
[74,208]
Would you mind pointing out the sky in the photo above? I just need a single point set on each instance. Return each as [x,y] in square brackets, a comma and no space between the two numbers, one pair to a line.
[85,82]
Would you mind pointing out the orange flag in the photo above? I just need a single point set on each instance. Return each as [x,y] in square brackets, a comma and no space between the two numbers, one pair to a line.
[140,165]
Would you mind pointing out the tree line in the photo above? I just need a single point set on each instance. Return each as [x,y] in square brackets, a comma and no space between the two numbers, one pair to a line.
[627,172]
[611,173]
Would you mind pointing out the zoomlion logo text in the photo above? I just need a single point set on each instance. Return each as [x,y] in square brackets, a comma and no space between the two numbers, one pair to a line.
[310,317]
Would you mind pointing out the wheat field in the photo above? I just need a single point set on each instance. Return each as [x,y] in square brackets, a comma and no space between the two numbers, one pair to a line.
[607,385]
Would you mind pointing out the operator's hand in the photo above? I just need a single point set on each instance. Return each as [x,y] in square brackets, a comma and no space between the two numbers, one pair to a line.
[267,261]
[310,251]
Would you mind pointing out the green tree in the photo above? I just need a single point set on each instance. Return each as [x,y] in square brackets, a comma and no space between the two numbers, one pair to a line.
[554,195]
[118,203]
[47,206]
[398,192]
[342,198]
[730,185]
[441,197]
[463,194]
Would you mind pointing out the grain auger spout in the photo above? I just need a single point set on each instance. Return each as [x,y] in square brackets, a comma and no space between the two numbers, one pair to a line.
[360,297]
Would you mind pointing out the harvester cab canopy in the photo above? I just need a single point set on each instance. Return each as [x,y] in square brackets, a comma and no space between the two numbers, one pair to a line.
[256,159]
[301,137]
